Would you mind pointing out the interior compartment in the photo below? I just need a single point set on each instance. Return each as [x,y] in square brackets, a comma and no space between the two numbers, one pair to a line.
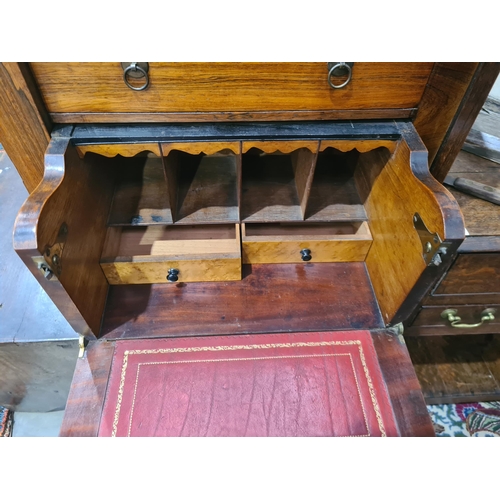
[276,181]
[333,195]
[281,183]
[141,192]
[145,254]
[203,188]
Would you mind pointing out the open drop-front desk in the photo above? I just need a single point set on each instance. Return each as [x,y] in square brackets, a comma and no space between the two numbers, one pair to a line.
[240,245]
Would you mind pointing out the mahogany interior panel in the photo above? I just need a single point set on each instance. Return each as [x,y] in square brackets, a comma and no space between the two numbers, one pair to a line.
[269,298]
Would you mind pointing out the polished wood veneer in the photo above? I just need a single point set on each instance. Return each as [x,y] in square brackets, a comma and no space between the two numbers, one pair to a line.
[276,298]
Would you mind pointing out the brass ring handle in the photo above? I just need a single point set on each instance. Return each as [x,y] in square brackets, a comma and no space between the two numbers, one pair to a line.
[451,316]
[136,68]
[336,67]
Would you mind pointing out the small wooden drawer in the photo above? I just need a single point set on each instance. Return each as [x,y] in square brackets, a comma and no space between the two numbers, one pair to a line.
[138,255]
[296,243]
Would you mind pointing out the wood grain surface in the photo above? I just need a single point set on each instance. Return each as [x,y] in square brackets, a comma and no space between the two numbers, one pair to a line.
[277,298]
[145,255]
[77,193]
[458,369]
[25,126]
[284,247]
[472,273]
[404,389]
[481,217]
[141,195]
[236,116]
[394,188]
[219,87]
[443,96]
[333,195]
[476,94]
[88,389]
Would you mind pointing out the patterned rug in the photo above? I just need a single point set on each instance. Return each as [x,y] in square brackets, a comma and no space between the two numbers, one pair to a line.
[6,420]
[466,420]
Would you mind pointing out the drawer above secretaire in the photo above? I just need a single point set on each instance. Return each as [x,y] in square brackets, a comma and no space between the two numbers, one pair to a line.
[159,92]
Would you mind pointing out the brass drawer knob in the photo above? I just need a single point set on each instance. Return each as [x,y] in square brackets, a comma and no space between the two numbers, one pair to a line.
[306,254]
[451,316]
[173,275]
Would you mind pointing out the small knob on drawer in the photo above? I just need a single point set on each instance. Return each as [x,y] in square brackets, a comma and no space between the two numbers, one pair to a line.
[306,254]
[173,275]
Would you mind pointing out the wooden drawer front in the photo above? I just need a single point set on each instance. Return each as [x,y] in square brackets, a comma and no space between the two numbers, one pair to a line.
[138,255]
[229,87]
[431,317]
[472,274]
[283,243]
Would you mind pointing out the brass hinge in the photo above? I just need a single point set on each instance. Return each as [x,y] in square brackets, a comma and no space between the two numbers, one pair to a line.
[50,264]
[81,345]
[433,247]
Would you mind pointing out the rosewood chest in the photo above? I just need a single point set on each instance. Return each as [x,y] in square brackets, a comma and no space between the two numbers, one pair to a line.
[197,200]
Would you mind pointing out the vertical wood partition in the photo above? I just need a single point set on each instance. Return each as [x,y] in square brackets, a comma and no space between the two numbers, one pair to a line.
[62,225]
[393,188]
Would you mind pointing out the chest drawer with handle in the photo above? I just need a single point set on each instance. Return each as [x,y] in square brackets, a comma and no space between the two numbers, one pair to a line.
[100,92]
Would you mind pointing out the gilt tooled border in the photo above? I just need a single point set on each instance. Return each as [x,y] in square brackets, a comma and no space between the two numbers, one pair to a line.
[128,353]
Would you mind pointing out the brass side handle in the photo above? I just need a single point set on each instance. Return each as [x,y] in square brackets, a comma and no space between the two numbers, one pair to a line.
[454,319]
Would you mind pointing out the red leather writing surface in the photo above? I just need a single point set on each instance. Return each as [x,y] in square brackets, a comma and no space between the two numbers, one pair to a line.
[300,384]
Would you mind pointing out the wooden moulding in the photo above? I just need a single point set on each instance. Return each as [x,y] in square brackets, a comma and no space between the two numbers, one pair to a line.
[75,193]
[394,188]
[112,150]
[236,116]
[204,181]
[145,255]
[282,243]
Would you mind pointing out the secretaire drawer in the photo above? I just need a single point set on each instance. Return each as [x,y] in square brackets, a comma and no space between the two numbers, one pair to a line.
[162,254]
[76,92]
[295,243]
[472,274]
